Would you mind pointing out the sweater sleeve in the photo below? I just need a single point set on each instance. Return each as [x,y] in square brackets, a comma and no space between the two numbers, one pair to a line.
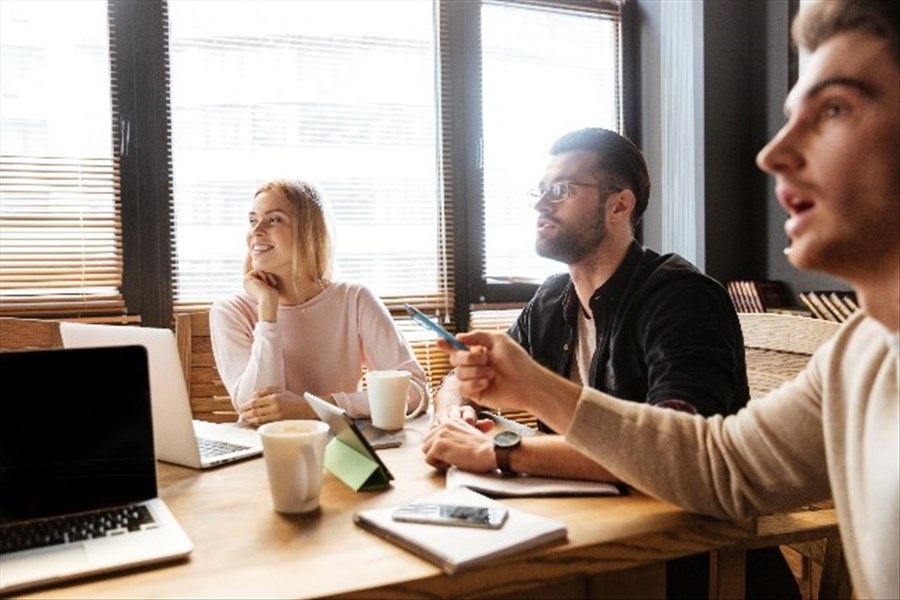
[770,456]
[248,354]
[383,348]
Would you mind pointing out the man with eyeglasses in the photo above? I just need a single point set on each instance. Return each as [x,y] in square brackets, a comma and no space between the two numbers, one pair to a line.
[624,320]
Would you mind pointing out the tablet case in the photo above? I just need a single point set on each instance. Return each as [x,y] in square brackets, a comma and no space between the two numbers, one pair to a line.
[349,456]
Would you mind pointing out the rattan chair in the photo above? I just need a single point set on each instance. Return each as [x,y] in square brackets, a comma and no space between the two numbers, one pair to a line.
[777,348]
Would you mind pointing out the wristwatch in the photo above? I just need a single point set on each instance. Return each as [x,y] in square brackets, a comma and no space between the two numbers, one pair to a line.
[504,443]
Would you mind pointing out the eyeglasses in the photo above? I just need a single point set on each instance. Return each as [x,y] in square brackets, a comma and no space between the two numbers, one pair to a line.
[561,190]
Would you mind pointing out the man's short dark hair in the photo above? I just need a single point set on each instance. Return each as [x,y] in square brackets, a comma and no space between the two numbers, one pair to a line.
[617,158]
[818,22]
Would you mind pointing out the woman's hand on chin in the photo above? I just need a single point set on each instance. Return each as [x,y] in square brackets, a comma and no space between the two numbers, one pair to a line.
[263,288]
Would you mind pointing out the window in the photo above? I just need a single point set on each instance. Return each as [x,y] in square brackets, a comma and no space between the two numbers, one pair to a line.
[60,225]
[546,71]
[341,94]
[422,121]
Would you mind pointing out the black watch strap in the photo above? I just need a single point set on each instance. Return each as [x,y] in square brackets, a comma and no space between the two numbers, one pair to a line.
[504,443]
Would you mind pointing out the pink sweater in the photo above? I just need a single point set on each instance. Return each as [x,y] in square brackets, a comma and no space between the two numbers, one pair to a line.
[320,346]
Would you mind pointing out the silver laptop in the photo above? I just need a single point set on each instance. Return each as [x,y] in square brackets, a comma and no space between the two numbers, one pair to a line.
[77,468]
[179,438]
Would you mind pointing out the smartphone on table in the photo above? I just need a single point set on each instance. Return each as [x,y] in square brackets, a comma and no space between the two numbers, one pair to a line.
[490,517]
[378,438]
[423,320]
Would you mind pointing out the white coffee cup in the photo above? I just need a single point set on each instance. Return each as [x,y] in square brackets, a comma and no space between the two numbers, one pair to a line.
[294,451]
[387,398]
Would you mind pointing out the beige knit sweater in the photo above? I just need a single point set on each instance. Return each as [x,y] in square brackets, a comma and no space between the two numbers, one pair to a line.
[832,432]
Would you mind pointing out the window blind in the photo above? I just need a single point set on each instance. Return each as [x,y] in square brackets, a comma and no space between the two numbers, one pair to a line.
[494,319]
[342,94]
[60,209]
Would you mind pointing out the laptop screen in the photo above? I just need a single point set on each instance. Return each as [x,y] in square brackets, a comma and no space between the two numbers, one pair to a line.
[76,432]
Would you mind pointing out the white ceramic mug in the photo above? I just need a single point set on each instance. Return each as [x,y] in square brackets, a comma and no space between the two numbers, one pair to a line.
[387,398]
[294,451]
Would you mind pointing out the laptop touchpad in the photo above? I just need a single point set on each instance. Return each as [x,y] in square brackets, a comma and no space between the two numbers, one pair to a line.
[65,560]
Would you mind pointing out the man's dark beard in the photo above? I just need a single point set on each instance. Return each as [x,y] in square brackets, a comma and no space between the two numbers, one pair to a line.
[570,246]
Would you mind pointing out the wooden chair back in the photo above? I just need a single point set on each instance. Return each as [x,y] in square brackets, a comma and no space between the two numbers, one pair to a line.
[209,397]
[24,334]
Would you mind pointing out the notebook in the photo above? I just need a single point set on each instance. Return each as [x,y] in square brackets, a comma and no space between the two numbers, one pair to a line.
[178,437]
[502,485]
[457,548]
[76,448]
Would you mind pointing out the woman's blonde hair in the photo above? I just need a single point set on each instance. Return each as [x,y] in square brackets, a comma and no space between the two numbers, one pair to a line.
[313,251]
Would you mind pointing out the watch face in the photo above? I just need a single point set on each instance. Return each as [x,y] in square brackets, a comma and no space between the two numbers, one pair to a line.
[506,439]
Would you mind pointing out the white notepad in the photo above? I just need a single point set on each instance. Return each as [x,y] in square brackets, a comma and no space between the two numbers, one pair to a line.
[498,485]
[457,548]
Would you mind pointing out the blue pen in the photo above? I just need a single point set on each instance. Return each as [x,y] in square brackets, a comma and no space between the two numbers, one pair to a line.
[424,321]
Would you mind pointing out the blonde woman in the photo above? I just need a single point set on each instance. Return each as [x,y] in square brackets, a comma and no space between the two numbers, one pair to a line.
[294,329]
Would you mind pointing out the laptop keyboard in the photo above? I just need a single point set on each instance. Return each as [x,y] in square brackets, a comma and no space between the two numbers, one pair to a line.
[74,528]
[211,448]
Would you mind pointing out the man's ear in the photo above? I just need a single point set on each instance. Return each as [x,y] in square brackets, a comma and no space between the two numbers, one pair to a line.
[620,205]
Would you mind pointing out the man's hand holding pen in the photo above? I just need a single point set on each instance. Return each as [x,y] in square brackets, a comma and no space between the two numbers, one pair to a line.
[492,371]
[496,372]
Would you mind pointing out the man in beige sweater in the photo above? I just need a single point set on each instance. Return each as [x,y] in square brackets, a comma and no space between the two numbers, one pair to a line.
[835,430]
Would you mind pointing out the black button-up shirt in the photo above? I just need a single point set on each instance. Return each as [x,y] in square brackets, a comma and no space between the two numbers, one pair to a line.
[665,331]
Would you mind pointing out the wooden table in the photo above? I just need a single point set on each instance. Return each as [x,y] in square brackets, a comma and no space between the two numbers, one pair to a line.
[242,548]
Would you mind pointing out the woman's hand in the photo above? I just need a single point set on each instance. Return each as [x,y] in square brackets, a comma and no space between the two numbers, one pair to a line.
[263,287]
[275,404]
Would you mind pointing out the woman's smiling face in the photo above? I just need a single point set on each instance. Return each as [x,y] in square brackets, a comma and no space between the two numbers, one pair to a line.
[270,237]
